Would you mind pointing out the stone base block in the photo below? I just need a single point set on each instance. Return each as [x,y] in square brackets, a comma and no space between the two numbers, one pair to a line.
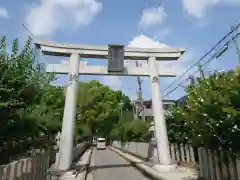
[63,175]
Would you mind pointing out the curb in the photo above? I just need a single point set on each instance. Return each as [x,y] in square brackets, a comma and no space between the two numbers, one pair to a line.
[77,172]
[89,170]
[146,170]
[85,168]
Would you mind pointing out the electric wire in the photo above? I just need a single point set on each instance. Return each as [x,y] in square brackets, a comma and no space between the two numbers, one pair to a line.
[202,58]
[208,61]
[161,5]
[32,36]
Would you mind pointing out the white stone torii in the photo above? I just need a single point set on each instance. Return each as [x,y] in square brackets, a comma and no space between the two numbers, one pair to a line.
[74,69]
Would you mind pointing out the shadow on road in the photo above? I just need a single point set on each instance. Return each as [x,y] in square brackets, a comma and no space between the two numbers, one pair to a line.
[111,166]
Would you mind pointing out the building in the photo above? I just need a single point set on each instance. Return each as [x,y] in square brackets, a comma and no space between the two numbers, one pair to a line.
[148,108]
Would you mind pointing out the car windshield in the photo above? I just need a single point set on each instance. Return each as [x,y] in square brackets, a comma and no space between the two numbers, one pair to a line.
[101,140]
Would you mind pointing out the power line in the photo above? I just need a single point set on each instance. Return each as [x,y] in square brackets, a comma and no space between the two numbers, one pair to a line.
[161,4]
[142,11]
[29,32]
[208,61]
[203,57]
[25,26]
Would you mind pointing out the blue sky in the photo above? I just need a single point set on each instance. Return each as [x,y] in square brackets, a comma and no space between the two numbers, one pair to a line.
[194,24]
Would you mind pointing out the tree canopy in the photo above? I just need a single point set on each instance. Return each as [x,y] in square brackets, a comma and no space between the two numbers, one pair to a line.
[98,109]
[23,88]
[211,116]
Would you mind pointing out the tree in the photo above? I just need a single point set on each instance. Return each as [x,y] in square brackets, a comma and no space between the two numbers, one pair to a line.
[212,114]
[49,112]
[127,105]
[130,130]
[97,109]
[20,84]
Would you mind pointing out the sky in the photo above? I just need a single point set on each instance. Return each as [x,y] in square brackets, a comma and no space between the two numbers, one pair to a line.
[195,25]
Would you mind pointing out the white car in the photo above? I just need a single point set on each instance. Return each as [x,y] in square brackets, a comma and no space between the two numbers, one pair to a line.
[101,143]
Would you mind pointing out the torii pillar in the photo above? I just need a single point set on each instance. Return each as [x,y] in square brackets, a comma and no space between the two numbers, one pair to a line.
[73,70]
[164,158]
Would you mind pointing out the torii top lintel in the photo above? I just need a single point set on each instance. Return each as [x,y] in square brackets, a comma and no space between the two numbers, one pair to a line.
[89,51]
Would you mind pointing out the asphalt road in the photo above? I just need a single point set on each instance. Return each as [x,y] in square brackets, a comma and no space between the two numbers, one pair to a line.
[107,165]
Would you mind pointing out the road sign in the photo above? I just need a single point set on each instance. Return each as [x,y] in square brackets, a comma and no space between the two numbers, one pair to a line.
[116,58]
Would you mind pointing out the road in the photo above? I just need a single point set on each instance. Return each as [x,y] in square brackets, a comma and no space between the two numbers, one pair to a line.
[107,165]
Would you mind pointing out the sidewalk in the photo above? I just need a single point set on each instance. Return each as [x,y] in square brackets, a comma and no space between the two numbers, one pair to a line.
[180,173]
[78,171]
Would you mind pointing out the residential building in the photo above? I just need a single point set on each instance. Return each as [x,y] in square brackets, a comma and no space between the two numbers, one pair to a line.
[148,108]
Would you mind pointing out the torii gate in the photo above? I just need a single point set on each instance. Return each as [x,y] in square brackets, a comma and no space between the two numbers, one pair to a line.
[117,55]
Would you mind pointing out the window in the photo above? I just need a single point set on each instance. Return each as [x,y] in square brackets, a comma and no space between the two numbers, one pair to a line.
[101,140]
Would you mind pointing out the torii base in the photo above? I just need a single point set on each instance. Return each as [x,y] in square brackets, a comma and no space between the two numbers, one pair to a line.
[63,175]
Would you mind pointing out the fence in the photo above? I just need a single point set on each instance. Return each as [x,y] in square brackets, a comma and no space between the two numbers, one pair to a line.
[212,164]
[218,165]
[36,167]
[27,169]
[183,153]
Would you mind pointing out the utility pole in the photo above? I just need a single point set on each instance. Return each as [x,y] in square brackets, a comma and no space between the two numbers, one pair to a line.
[140,94]
[235,35]
[192,80]
[200,68]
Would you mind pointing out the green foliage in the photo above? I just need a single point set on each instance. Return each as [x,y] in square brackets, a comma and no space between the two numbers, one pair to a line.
[99,114]
[49,112]
[212,114]
[127,106]
[130,130]
[98,109]
[22,86]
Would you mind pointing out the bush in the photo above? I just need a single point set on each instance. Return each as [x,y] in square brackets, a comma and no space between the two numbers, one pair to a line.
[211,116]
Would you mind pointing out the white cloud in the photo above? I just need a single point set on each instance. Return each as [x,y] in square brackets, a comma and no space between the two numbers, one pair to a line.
[143,41]
[4,13]
[113,81]
[152,17]
[45,18]
[198,8]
